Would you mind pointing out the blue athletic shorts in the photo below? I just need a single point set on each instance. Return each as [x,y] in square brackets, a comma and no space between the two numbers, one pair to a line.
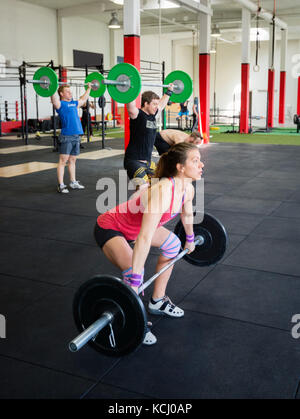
[69,144]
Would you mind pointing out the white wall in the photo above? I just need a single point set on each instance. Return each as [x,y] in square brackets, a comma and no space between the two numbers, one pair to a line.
[228,79]
[27,33]
[84,35]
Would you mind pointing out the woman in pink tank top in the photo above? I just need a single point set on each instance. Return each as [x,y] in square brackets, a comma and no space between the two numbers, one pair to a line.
[142,219]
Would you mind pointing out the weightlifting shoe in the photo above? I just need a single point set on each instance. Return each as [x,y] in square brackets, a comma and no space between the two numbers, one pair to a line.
[76,185]
[164,307]
[149,338]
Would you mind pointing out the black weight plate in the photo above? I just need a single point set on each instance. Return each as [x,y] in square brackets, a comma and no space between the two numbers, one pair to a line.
[215,241]
[102,101]
[105,293]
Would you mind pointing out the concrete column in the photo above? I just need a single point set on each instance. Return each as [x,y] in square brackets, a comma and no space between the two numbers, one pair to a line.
[245,71]
[271,78]
[283,50]
[131,14]
[204,71]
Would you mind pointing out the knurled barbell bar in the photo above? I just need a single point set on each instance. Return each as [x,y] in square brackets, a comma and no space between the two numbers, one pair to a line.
[110,315]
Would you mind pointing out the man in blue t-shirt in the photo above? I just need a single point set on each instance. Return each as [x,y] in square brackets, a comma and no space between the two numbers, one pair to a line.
[69,138]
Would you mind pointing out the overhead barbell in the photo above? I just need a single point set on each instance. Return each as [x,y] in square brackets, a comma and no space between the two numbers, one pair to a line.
[45,82]
[123,83]
[111,317]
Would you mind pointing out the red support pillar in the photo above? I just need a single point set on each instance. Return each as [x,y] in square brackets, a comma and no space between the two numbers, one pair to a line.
[298,103]
[281,118]
[131,56]
[271,81]
[244,120]
[204,86]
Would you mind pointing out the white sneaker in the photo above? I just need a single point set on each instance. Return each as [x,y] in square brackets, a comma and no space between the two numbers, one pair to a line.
[164,307]
[76,185]
[149,338]
[62,188]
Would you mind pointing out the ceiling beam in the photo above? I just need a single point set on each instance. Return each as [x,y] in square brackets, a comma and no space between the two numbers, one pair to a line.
[263,13]
[93,8]
[194,6]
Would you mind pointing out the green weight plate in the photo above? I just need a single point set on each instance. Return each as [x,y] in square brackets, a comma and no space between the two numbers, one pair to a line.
[124,72]
[214,245]
[48,75]
[185,86]
[98,88]
[108,293]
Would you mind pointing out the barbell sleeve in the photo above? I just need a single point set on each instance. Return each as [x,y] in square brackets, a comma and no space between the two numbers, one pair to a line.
[91,332]
[198,241]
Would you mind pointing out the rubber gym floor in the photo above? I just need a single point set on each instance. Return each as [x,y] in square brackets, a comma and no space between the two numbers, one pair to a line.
[235,340]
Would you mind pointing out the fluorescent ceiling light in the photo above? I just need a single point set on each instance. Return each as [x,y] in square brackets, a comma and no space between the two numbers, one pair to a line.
[120,2]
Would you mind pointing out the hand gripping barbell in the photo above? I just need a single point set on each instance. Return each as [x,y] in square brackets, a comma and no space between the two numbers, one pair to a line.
[111,317]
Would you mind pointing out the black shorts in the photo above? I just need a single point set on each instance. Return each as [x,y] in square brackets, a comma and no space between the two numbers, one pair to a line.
[161,145]
[137,169]
[102,235]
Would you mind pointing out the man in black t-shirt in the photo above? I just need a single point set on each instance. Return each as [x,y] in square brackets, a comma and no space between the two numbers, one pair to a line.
[143,128]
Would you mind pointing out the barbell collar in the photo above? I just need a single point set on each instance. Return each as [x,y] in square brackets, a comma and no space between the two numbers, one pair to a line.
[199,240]
[90,333]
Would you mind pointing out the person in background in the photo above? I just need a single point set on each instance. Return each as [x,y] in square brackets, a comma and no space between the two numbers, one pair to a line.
[69,139]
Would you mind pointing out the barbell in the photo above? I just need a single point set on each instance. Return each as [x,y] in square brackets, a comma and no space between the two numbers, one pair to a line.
[111,317]
[123,83]
[45,82]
